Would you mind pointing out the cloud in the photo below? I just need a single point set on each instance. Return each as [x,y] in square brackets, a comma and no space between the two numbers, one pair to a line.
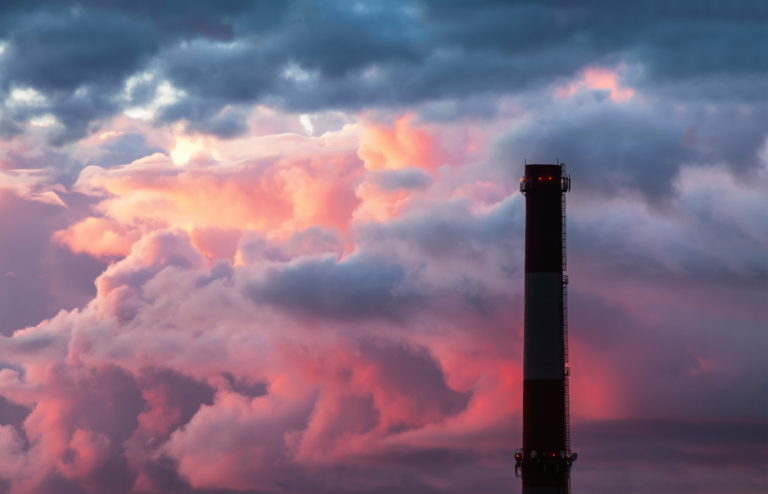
[38,279]
[31,184]
[354,288]
[292,194]
[651,443]
[637,149]
[122,149]
[325,398]
[297,361]
[406,178]
[302,58]
[290,256]
[397,147]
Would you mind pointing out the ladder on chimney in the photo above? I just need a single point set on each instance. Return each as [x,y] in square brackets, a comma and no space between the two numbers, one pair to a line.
[565,186]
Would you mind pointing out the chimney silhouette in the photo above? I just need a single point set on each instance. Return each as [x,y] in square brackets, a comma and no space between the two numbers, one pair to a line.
[545,460]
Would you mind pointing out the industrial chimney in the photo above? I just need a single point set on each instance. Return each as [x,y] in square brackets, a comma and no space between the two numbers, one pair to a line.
[545,459]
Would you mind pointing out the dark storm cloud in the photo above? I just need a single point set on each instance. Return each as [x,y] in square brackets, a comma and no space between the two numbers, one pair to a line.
[359,287]
[309,56]
[55,54]
[78,61]
[79,56]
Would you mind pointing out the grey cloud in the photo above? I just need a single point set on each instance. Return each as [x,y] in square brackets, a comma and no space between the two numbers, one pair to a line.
[11,413]
[124,149]
[163,472]
[481,107]
[48,158]
[110,404]
[384,280]
[245,388]
[452,232]
[354,56]
[612,150]
[78,61]
[38,279]
[416,373]
[183,393]
[726,456]
[406,178]
[314,240]
[682,441]
[80,55]
[657,358]
[62,53]
[358,287]
[207,116]
[221,270]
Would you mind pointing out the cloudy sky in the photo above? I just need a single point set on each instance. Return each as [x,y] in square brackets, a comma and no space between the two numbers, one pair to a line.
[277,247]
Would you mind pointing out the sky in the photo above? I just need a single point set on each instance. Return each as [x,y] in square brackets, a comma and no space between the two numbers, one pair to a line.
[277,247]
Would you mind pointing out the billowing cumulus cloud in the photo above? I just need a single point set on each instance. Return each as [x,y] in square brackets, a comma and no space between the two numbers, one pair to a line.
[172,357]
[260,247]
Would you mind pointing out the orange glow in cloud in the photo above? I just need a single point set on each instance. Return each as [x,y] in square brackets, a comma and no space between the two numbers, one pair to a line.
[275,185]
[99,236]
[271,196]
[400,146]
[188,147]
[597,78]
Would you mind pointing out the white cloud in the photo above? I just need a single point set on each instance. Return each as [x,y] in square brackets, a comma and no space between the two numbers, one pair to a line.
[25,97]
[307,123]
[165,94]
[44,120]
[295,73]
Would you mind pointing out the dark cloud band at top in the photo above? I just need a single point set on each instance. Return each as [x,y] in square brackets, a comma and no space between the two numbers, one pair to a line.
[311,56]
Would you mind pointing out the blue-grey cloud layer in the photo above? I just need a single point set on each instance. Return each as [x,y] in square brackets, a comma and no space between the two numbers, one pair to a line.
[314,55]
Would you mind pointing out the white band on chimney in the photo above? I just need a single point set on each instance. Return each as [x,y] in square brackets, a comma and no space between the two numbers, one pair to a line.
[543,357]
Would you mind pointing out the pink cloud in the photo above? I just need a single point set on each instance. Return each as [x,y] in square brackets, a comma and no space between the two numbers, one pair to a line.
[262,196]
[319,182]
[282,307]
[597,78]
[399,146]
[33,185]
[329,398]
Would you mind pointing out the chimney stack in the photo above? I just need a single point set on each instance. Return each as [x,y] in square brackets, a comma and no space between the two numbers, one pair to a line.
[545,459]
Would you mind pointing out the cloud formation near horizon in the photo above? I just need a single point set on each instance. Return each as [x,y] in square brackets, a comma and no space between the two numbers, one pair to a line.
[259,247]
